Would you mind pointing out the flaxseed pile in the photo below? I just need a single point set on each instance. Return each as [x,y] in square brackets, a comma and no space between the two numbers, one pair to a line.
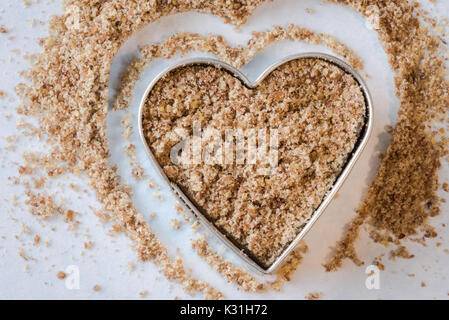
[403,197]
[318,110]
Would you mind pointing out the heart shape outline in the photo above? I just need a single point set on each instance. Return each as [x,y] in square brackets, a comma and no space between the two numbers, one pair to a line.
[347,167]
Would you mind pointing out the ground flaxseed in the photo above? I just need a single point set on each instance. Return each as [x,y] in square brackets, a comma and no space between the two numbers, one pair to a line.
[314,296]
[285,272]
[236,56]
[244,280]
[403,194]
[319,111]
[3,29]
[225,268]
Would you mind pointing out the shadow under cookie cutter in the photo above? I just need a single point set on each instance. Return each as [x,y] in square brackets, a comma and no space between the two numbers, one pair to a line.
[352,157]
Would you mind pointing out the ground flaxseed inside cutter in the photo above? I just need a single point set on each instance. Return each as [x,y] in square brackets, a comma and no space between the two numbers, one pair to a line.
[319,111]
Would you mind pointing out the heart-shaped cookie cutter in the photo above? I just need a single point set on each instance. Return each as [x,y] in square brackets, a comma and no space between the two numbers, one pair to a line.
[353,157]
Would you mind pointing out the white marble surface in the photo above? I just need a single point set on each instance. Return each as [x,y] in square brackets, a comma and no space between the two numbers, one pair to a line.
[106,264]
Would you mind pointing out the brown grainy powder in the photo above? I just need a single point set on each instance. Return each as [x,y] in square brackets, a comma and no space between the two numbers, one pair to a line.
[319,111]
[446,187]
[226,269]
[126,124]
[24,256]
[137,172]
[378,262]
[3,29]
[41,205]
[175,224]
[243,279]
[128,80]
[237,56]
[69,93]
[290,265]
[143,293]
[314,296]
[88,245]
[403,194]
[401,252]
[380,265]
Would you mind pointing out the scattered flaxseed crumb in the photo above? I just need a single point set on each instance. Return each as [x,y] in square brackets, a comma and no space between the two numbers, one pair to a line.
[378,263]
[130,150]
[42,205]
[116,228]
[25,229]
[226,269]
[314,296]
[23,255]
[175,224]
[88,245]
[158,196]
[61,275]
[126,123]
[294,259]
[97,288]
[401,252]
[179,208]
[137,172]
[69,214]
[446,187]
[143,293]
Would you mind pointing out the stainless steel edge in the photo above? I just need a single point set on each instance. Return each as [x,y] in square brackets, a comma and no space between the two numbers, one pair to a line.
[238,74]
